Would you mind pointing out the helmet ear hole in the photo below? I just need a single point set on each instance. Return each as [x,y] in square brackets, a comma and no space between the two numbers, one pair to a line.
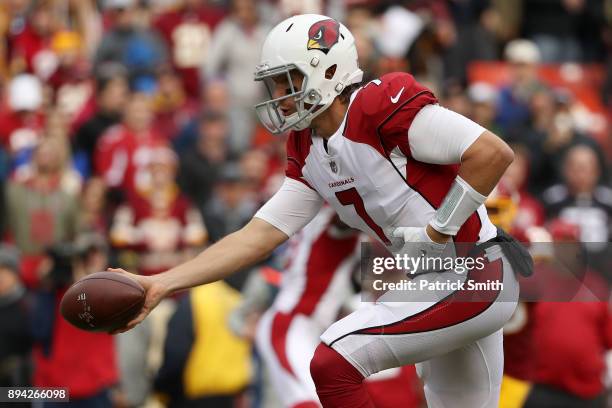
[329,72]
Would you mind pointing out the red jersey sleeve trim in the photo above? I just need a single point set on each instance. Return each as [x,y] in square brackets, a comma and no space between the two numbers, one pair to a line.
[298,147]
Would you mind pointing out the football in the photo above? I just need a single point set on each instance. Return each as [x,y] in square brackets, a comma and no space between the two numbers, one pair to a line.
[102,301]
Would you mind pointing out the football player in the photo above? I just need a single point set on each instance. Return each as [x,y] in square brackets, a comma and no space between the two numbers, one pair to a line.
[394,164]
[315,286]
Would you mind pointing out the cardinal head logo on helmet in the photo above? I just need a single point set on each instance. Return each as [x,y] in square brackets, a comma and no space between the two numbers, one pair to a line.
[323,34]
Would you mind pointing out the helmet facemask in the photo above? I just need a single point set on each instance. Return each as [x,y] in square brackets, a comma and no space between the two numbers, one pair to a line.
[307,104]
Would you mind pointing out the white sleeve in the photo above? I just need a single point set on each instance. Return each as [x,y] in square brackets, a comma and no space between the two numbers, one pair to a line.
[292,207]
[440,136]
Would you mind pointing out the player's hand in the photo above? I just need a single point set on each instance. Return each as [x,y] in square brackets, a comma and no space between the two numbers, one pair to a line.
[418,244]
[155,291]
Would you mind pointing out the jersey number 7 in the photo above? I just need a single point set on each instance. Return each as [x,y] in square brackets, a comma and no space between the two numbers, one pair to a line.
[352,197]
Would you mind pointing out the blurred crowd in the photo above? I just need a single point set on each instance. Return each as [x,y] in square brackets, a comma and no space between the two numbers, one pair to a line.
[128,138]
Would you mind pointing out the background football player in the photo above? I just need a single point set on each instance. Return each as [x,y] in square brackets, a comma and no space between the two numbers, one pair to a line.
[315,289]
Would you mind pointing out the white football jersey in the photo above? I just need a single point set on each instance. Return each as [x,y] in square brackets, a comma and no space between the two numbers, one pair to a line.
[367,171]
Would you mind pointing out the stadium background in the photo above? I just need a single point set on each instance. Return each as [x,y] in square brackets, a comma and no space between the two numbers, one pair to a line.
[127,137]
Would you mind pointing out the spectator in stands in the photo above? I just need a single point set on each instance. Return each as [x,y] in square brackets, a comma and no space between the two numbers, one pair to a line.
[94,212]
[397,31]
[70,86]
[29,48]
[563,133]
[173,110]
[232,204]
[503,207]
[368,54]
[234,51]
[64,356]
[187,30]
[205,364]
[565,30]
[581,199]
[40,212]
[573,328]
[15,339]
[159,222]
[454,97]
[529,212]
[254,168]
[137,47]
[534,131]
[514,98]
[31,26]
[133,350]
[83,16]
[484,99]
[215,98]
[122,150]
[70,79]
[111,95]
[200,166]
[548,134]
[474,38]
[56,133]
[517,212]
[12,21]
[230,208]
[22,120]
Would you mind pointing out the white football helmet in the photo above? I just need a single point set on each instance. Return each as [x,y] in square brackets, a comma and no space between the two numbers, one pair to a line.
[312,44]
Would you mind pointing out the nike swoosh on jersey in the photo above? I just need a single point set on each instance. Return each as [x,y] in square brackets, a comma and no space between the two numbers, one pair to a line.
[396,98]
